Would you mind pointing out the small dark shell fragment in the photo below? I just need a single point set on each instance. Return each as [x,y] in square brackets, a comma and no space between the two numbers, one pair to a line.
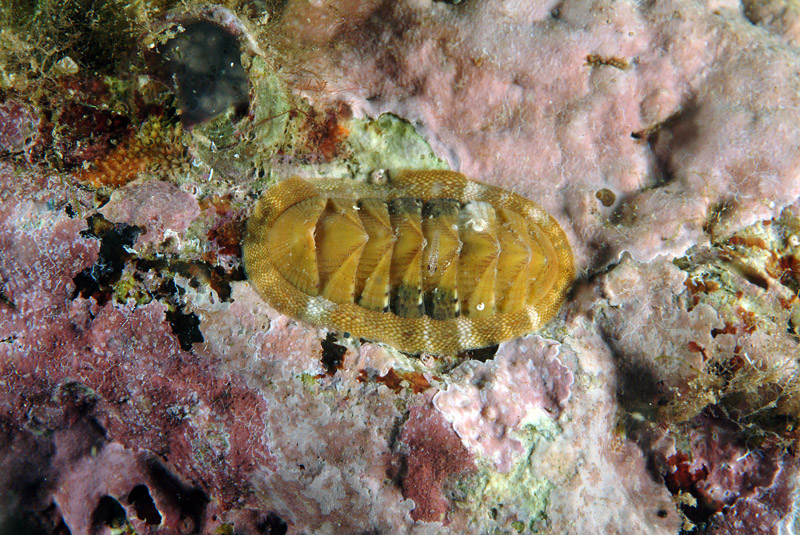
[606,197]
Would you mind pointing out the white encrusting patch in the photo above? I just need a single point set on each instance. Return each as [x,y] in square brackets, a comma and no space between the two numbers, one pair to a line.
[478,224]
[533,316]
[538,216]
[466,332]
[318,309]
[476,215]
[474,190]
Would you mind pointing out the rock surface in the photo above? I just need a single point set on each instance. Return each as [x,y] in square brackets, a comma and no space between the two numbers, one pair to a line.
[145,385]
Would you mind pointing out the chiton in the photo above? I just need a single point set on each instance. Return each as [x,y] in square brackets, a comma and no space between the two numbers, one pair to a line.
[426,261]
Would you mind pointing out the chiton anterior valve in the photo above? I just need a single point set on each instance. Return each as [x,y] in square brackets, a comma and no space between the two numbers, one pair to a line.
[429,261]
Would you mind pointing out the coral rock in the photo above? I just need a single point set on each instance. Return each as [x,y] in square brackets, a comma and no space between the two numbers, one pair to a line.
[488,403]
[161,208]
[435,455]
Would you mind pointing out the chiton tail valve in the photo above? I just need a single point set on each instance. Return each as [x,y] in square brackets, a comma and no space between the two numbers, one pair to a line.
[425,262]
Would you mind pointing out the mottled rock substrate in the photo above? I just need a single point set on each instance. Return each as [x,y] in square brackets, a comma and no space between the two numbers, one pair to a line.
[662,136]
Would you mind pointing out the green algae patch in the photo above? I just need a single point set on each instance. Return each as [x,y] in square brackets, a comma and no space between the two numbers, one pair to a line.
[389,142]
[40,38]
[130,286]
[519,498]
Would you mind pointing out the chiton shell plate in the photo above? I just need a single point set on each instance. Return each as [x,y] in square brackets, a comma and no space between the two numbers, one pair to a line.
[426,262]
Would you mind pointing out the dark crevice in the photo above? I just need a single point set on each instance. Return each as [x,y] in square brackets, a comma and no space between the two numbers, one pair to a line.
[638,387]
[754,277]
[109,513]
[332,354]
[604,258]
[481,354]
[667,138]
[144,506]
[191,501]
[186,327]
[115,238]
[397,427]
[273,525]
[28,522]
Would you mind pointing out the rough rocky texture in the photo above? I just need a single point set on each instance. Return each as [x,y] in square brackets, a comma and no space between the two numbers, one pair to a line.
[489,403]
[19,128]
[433,455]
[144,385]
[158,206]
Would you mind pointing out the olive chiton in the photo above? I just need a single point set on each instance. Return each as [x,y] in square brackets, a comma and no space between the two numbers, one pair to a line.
[427,262]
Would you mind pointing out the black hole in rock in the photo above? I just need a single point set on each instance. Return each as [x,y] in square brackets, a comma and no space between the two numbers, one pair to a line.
[203,62]
[191,502]
[108,512]
[273,525]
[332,354]
[96,281]
[186,327]
[143,504]
[482,354]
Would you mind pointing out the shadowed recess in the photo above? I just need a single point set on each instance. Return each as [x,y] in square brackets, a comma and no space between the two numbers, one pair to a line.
[115,239]
[332,354]
[273,525]
[185,326]
[143,504]
[108,512]
[191,501]
[203,64]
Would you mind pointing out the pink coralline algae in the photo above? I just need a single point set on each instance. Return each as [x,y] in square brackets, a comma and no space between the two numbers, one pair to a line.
[126,357]
[433,455]
[703,119]
[489,403]
[160,208]
[734,486]
[19,129]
